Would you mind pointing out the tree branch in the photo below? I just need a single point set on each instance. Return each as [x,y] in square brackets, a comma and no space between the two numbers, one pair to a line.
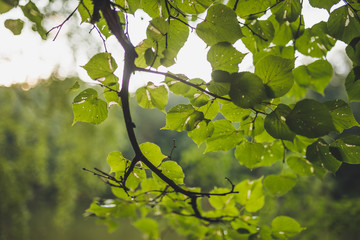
[183,81]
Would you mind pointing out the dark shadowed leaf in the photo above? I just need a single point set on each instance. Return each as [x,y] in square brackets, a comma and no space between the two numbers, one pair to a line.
[347,149]
[275,123]
[246,90]
[310,118]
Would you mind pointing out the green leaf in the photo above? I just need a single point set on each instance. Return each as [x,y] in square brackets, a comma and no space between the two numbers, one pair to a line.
[210,109]
[258,34]
[85,9]
[341,114]
[280,51]
[251,194]
[347,149]
[87,107]
[286,31]
[152,96]
[14,25]
[173,171]
[31,11]
[287,10]
[101,66]
[249,154]
[117,162]
[252,126]
[327,4]
[178,87]
[152,152]
[278,185]
[234,113]
[275,123]
[148,226]
[310,118]
[157,29]
[6,6]
[300,166]
[176,38]
[319,154]
[193,6]
[183,117]
[343,24]
[222,202]
[283,226]
[247,8]
[246,90]
[353,50]
[224,137]
[352,84]
[143,50]
[202,131]
[316,75]
[276,73]
[315,41]
[220,25]
[223,56]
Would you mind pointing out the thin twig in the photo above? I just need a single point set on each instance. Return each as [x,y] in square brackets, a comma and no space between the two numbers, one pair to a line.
[183,81]
[61,25]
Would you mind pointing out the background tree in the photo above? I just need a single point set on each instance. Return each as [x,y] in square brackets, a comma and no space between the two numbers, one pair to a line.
[269,116]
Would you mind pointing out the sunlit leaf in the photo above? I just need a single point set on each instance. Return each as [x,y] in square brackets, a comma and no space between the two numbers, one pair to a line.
[276,73]
[234,113]
[315,75]
[87,107]
[249,154]
[300,166]
[220,25]
[258,34]
[202,131]
[117,162]
[315,41]
[100,66]
[251,194]
[173,171]
[152,96]
[278,185]
[223,56]
[152,152]
[283,226]
[250,9]
[183,117]
[224,137]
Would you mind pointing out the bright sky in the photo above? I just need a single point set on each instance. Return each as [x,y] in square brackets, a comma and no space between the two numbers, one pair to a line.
[26,58]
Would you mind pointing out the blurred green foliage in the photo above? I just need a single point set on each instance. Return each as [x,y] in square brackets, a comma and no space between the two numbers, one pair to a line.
[44,190]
